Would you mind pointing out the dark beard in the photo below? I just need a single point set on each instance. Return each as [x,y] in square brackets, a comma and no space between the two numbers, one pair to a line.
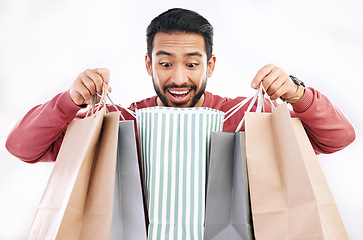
[193,101]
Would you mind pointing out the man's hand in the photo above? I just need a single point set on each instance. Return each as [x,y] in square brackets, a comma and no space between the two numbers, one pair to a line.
[276,82]
[88,83]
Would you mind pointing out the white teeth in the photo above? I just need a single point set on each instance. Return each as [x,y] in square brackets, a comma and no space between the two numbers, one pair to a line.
[179,92]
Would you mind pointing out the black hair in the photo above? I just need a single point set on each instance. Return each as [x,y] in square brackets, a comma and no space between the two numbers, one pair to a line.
[180,20]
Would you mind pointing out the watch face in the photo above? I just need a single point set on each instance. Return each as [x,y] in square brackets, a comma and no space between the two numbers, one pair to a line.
[297,81]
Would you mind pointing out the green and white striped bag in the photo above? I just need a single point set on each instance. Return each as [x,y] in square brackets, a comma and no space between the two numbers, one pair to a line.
[174,144]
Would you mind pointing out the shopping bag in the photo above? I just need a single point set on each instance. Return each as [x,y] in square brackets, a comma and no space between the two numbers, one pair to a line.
[128,219]
[175,145]
[78,199]
[290,198]
[97,214]
[228,214]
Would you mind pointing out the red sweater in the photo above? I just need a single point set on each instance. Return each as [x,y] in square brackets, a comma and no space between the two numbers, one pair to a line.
[38,136]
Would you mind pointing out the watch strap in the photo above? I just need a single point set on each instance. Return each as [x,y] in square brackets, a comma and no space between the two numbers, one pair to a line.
[299,91]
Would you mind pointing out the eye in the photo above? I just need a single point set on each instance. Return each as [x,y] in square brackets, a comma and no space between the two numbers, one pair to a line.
[165,64]
[192,65]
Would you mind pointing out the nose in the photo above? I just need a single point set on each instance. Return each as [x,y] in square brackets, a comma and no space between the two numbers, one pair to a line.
[179,76]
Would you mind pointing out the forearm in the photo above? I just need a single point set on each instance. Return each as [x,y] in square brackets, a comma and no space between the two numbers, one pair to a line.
[38,136]
[328,129]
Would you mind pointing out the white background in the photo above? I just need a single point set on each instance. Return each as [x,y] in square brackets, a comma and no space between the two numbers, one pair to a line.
[45,44]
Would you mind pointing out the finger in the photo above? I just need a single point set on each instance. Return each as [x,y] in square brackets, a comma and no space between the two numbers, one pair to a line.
[88,101]
[279,92]
[88,85]
[76,97]
[79,93]
[109,89]
[96,79]
[261,74]
[104,73]
[85,93]
[273,81]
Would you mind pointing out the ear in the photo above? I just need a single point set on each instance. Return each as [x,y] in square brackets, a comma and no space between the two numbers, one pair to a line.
[148,65]
[211,65]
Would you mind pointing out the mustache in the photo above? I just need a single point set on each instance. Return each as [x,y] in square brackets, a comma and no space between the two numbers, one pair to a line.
[185,85]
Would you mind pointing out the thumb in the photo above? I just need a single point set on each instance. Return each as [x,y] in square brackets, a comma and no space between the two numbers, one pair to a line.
[109,89]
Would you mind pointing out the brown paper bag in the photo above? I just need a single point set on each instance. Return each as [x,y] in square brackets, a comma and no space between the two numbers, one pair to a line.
[290,197]
[78,199]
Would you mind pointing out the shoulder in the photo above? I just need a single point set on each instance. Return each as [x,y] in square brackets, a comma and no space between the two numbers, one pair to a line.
[220,103]
[147,102]
[127,112]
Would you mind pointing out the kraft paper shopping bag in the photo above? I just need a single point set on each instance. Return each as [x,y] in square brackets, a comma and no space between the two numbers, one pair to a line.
[74,159]
[97,214]
[290,197]
[70,207]
[228,213]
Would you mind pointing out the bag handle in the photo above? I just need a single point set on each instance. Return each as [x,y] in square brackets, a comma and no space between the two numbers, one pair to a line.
[259,96]
[114,105]
[102,102]
[126,109]
[92,107]
[261,100]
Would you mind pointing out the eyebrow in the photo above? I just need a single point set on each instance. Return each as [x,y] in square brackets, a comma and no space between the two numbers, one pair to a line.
[161,52]
[198,54]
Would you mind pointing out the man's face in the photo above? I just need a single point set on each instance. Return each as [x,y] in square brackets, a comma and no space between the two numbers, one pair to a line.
[179,69]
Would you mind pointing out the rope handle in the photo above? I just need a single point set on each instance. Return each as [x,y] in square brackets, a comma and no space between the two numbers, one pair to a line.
[261,100]
[92,107]
[103,97]
[258,96]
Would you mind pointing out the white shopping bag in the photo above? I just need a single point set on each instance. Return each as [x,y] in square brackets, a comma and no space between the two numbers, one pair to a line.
[174,144]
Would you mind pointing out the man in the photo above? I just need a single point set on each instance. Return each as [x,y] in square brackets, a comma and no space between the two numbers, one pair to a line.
[179,59]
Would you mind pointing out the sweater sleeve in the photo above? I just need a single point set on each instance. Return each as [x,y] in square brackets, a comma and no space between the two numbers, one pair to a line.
[326,126]
[38,136]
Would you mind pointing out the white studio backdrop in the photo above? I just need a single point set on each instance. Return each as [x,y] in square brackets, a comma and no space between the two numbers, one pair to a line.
[44,45]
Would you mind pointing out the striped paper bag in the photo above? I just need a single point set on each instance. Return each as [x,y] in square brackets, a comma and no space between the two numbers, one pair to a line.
[174,145]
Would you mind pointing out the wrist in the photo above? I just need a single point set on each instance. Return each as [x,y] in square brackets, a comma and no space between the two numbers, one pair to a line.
[297,96]
[64,106]
[299,93]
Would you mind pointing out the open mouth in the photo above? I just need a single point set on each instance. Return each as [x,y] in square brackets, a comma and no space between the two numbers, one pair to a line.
[179,96]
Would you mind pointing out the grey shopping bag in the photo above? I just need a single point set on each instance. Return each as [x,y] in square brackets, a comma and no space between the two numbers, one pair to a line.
[228,214]
[128,219]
